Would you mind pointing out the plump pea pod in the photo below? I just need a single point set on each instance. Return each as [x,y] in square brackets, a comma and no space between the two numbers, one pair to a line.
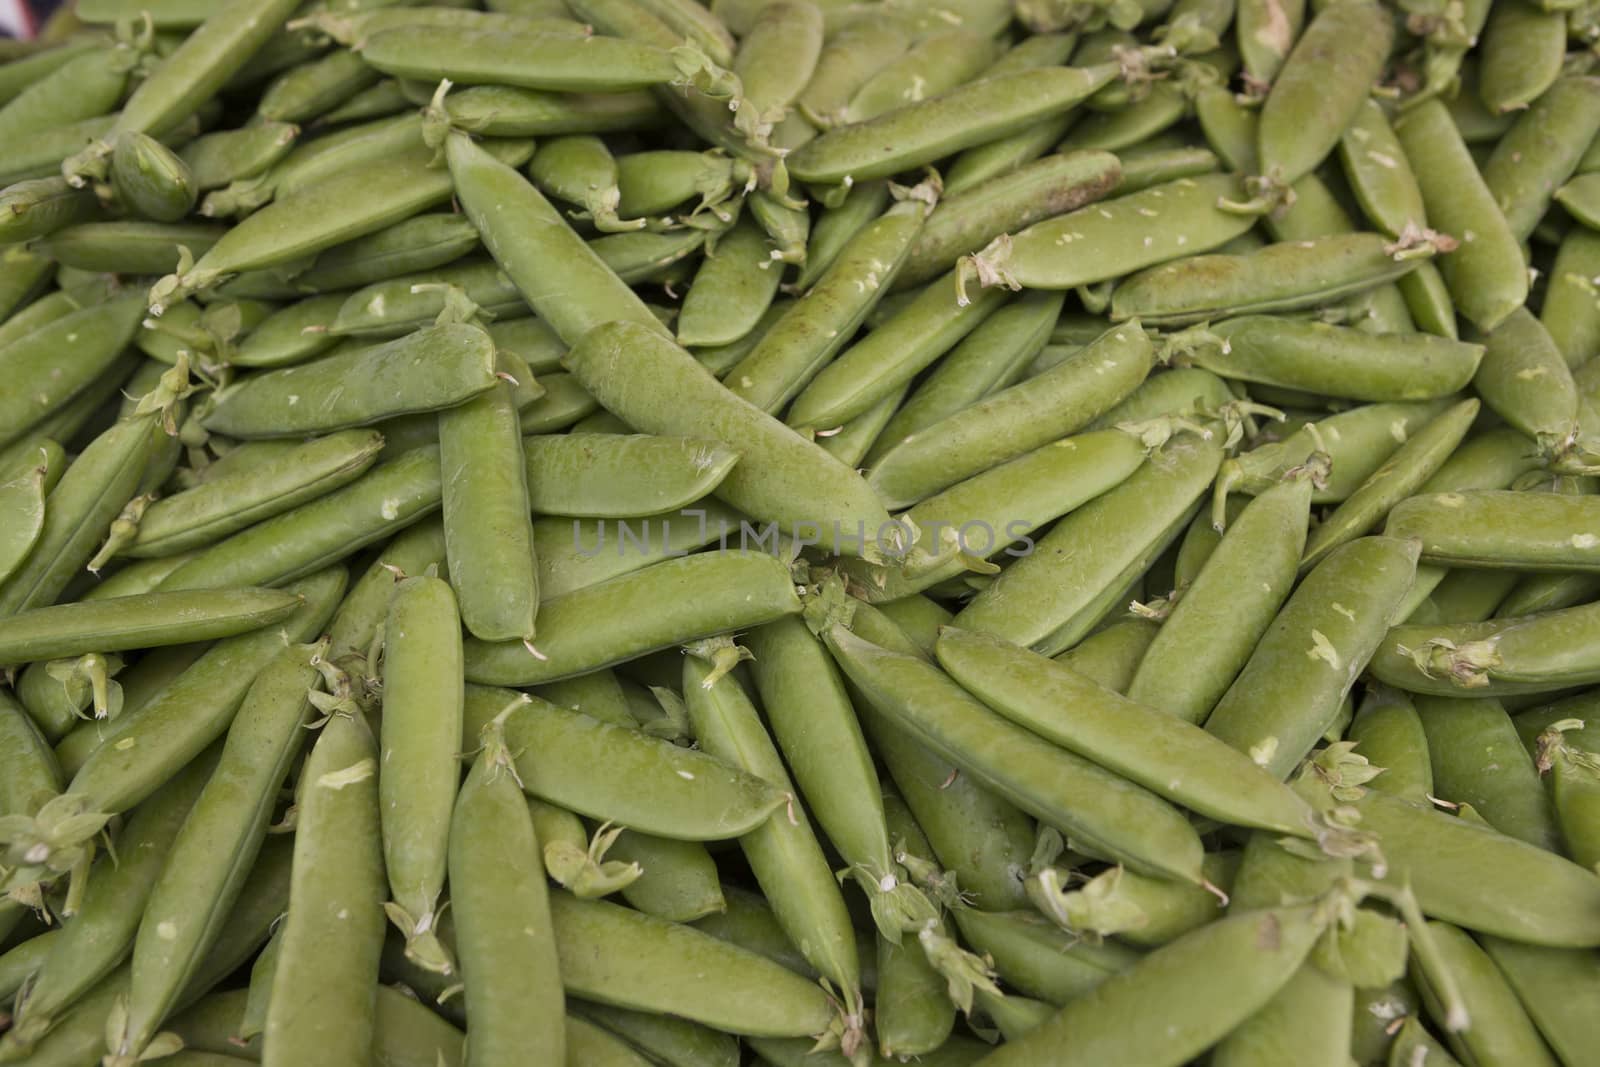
[679,879]
[1038,958]
[640,256]
[422,701]
[1312,653]
[42,57]
[619,957]
[217,846]
[914,1016]
[23,499]
[323,990]
[1486,275]
[505,111]
[1500,657]
[658,181]
[146,621]
[151,179]
[1521,57]
[434,368]
[553,62]
[1124,820]
[526,236]
[749,923]
[1389,734]
[1428,300]
[1500,1030]
[691,796]
[191,75]
[1322,86]
[129,246]
[399,305]
[1210,778]
[933,65]
[312,536]
[1236,965]
[1379,173]
[989,358]
[21,961]
[1581,198]
[822,322]
[40,207]
[1015,420]
[1542,151]
[216,159]
[1524,379]
[576,553]
[85,86]
[1110,656]
[675,1042]
[33,777]
[1401,475]
[732,289]
[102,931]
[361,615]
[1478,760]
[783,853]
[1338,360]
[229,502]
[42,376]
[776,59]
[381,99]
[58,693]
[417,244]
[1575,786]
[140,749]
[1502,529]
[1051,598]
[1265,31]
[990,512]
[1129,233]
[307,91]
[26,274]
[564,404]
[657,387]
[668,603]
[1571,309]
[1308,1019]
[1149,912]
[1550,983]
[848,58]
[502,915]
[1213,627]
[1279,277]
[923,132]
[587,1043]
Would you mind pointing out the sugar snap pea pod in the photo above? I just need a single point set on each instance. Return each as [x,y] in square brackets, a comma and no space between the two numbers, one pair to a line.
[229,502]
[506,111]
[1500,1030]
[641,256]
[1159,910]
[931,66]
[576,553]
[679,879]
[1550,984]
[1486,275]
[1501,529]
[848,58]
[381,99]
[128,246]
[1521,57]
[749,923]
[361,615]
[675,1042]
[151,179]
[931,129]
[33,776]
[307,91]
[818,325]
[1571,309]
[1389,734]
[1128,233]
[417,244]
[24,70]
[1542,151]
[324,1005]
[57,693]
[989,358]
[1321,640]
[1524,379]
[1051,598]
[25,277]
[216,849]
[290,335]
[1015,420]
[217,159]
[656,182]
[1427,299]
[314,160]
[621,475]
[1499,657]
[1265,31]
[323,531]
[1321,87]
[1493,459]
[85,86]
[526,235]
[775,60]
[1308,1019]
[1478,760]
[1379,173]
[1031,690]
[732,289]
[1581,198]
[554,62]
[433,368]
[655,386]
[1032,774]
[564,403]
[615,956]
[145,621]
[1110,656]
[22,499]
[40,207]
[580,170]
[587,1043]
[1279,277]
[398,305]
[914,1015]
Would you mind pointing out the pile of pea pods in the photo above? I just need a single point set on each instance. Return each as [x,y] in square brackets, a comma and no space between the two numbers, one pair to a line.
[808,533]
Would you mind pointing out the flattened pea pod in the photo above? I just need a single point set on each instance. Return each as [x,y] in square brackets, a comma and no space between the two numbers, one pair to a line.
[1290,689]
[436,367]
[692,796]
[1500,657]
[1502,529]
[1123,820]
[146,620]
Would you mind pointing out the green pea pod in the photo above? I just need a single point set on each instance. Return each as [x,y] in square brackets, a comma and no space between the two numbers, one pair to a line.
[129,246]
[151,179]
[576,553]
[1500,657]
[84,86]
[361,615]
[1279,277]
[23,500]
[1124,821]
[1016,420]
[1308,1019]
[422,701]
[1499,1031]
[658,181]
[620,956]
[1389,734]
[933,65]
[324,1005]
[398,305]
[1486,275]
[776,59]
[66,630]
[564,404]
[1501,529]
[675,1042]
[1478,760]
[381,99]
[780,477]
[914,1015]
[848,58]
[1052,597]
[38,208]
[217,159]
[653,785]
[1523,46]
[1266,30]
[1110,656]
[1571,309]
[679,879]
[506,111]
[307,91]
[1581,198]
[1524,379]
[732,289]
[641,256]
[1428,301]
[552,62]
[1542,150]
[1549,982]
[322,532]
[417,244]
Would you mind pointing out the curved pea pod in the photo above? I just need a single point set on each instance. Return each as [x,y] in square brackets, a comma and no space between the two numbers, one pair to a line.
[1379,173]
[1486,275]
[1479,761]
[655,386]
[1337,360]
[676,1042]
[564,403]
[931,129]
[1308,1019]
[1542,150]
[848,58]
[1234,965]
[314,535]
[1500,657]
[615,956]
[1427,299]
[1389,734]
[506,111]
[1571,309]
[732,289]
[641,255]
[1126,234]
[656,182]
[1208,637]
[1050,598]
[1524,379]
[86,85]
[1499,1030]
[576,553]
[1265,31]
[216,159]
[527,237]
[309,90]
[1279,277]
[128,246]
[674,880]
[22,499]
[1523,46]
[33,775]
[668,603]
[436,367]
[621,475]
[1581,198]
[933,65]
[1123,820]
[775,60]
[40,207]
[151,179]
[1502,529]
[1016,420]
[1551,984]
[398,305]
[1308,659]
[417,244]
[322,1005]
[1210,778]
